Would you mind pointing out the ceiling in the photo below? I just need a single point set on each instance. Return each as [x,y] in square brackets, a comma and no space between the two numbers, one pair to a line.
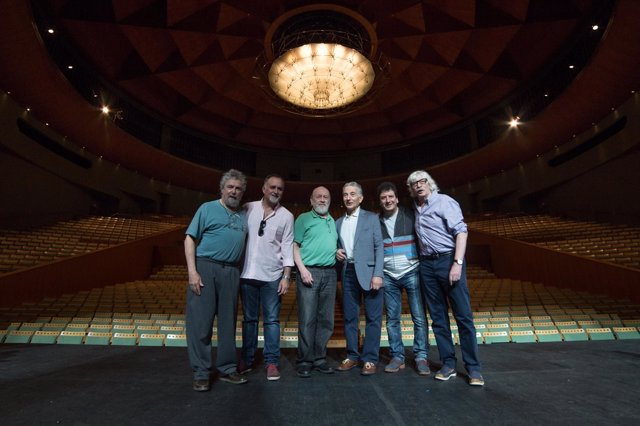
[193,63]
[190,63]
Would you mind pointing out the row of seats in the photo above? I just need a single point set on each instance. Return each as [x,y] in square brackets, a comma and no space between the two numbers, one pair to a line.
[24,249]
[618,244]
[151,312]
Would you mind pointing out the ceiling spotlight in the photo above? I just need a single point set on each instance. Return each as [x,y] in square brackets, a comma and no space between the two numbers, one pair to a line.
[571,67]
[51,31]
[320,60]
[70,67]
[105,109]
[595,27]
[514,122]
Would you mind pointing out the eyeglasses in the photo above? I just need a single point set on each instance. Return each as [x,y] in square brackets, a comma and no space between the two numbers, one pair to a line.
[417,183]
[263,223]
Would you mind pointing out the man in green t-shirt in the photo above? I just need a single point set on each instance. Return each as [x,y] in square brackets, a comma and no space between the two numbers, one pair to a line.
[314,249]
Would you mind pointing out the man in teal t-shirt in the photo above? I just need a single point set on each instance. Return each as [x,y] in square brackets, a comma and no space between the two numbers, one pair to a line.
[314,250]
[213,246]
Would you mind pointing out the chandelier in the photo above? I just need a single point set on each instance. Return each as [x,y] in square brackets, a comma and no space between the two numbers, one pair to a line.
[320,60]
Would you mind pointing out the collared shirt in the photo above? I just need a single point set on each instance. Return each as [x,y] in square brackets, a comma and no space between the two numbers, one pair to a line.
[348,232]
[317,237]
[220,232]
[267,255]
[437,223]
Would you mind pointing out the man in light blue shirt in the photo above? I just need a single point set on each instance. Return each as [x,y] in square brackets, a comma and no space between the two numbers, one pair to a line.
[442,236]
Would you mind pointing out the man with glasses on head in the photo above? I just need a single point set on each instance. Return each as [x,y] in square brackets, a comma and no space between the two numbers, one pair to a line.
[314,250]
[266,273]
[213,246]
[442,235]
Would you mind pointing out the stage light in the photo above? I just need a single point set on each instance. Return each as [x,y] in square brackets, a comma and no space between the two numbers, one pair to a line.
[105,109]
[514,122]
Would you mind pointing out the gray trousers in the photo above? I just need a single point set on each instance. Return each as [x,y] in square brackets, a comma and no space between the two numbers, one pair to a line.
[316,306]
[218,297]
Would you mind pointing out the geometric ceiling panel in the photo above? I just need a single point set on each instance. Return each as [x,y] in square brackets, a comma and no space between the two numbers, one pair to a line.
[193,62]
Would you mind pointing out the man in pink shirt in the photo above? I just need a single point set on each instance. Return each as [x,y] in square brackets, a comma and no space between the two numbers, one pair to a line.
[266,273]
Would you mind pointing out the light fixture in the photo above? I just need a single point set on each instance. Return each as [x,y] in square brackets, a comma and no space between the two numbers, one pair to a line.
[514,122]
[320,60]
[595,27]
[105,109]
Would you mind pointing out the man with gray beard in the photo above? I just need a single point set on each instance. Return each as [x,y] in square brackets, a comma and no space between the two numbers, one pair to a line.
[213,246]
[314,248]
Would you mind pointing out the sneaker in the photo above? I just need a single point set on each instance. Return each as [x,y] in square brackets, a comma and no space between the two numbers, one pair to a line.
[395,365]
[423,367]
[272,372]
[234,378]
[201,385]
[243,367]
[445,373]
[475,379]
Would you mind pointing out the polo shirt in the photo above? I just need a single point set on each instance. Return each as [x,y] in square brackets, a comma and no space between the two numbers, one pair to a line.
[317,237]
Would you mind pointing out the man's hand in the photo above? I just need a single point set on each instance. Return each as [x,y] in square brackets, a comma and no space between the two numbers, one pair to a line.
[341,255]
[376,283]
[306,276]
[455,273]
[283,287]
[195,282]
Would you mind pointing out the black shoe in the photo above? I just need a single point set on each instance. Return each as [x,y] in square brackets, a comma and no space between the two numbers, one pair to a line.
[234,378]
[304,372]
[324,368]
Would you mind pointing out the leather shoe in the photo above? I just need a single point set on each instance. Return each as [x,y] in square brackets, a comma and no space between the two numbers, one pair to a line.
[323,368]
[368,369]
[201,385]
[347,364]
[304,372]
[234,378]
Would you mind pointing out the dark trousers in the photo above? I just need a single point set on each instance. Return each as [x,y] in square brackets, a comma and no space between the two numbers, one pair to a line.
[218,297]
[439,295]
[352,294]
[316,306]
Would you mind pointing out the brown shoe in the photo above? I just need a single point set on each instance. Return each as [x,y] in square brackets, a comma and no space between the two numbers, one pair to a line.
[368,369]
[201,385]
[347,364]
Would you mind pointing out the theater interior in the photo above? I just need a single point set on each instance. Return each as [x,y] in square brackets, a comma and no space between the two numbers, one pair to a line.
[118,119]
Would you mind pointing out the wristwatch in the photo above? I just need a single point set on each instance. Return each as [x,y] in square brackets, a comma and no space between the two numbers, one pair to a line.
[458,261]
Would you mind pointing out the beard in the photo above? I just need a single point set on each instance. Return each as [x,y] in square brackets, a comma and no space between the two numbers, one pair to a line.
[232,202]
[274,199]
[321,210]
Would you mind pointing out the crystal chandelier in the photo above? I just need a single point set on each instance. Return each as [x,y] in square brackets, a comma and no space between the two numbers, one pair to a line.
[318,61]
[321,76]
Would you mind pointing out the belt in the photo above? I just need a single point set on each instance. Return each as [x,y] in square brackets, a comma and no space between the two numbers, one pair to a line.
[320,266]
[435,256]
[219,262]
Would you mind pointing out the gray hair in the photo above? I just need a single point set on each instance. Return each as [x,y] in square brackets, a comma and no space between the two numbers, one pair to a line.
[354,184]
[233,174]
[419,175]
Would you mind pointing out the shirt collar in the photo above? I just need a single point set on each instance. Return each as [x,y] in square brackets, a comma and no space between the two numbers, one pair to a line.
[354,214]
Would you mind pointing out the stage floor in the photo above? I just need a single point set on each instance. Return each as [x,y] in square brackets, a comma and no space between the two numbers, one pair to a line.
[586,383]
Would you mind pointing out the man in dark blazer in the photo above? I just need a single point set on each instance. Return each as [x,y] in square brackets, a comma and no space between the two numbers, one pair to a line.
[361,251]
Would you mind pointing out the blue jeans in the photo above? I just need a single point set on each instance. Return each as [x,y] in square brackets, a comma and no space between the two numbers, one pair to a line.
[352,293]
[438,295]
[393,287]
[316,306]
[256,293]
